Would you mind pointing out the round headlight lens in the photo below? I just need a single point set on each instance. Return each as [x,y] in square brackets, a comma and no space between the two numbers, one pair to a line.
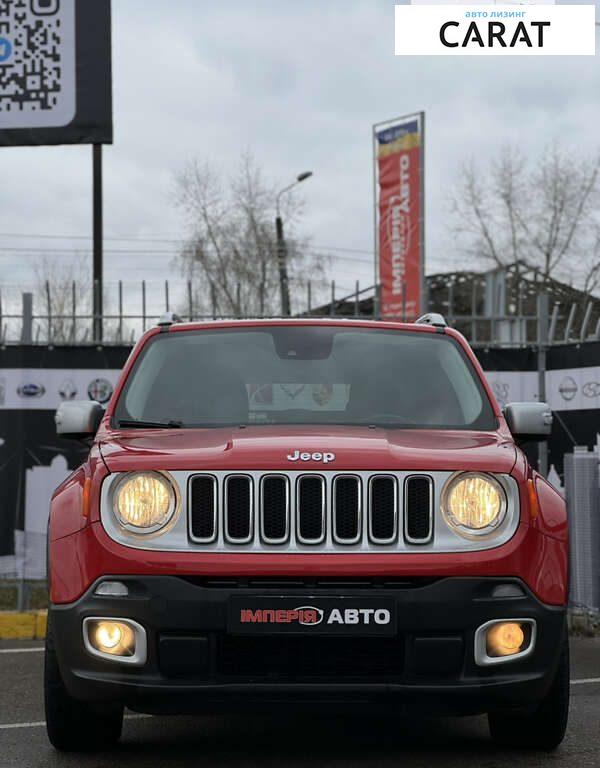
[144,502]
[473,504]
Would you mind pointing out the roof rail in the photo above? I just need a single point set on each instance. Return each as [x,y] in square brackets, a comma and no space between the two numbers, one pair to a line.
[432,318]
[168,319]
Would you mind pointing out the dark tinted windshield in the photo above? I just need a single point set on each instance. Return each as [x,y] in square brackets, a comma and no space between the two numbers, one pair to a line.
[305,375]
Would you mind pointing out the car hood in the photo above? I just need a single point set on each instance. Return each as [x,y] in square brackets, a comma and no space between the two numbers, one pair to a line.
[267,447]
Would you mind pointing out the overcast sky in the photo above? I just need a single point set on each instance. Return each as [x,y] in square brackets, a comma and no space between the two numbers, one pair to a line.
[299,84]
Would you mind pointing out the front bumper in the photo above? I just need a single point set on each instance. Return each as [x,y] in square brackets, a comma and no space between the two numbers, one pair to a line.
[197,664]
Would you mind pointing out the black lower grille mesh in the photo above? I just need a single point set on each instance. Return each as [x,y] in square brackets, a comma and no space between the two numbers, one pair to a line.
[310,508]
[306,657]
[239,508]
[203,508]
[274,508]
[346,518]
[418,509]
[383,508]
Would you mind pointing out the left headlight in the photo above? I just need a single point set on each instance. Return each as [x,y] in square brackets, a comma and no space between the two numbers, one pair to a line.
[144,502]
[473,504]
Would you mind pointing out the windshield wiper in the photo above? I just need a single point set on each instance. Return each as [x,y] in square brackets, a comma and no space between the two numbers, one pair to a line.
[173,424]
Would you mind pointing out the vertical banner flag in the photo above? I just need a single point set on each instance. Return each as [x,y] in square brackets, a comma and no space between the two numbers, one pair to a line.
[399,211]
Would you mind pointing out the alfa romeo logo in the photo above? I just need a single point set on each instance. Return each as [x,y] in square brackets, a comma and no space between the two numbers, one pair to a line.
[100,390]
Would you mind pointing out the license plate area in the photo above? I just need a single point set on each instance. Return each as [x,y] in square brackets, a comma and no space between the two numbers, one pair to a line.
[312,616]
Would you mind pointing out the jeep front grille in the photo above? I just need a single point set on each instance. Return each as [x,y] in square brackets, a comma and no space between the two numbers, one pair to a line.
[308,510]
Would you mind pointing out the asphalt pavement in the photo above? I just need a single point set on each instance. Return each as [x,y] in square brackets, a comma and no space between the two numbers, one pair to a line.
[288,739]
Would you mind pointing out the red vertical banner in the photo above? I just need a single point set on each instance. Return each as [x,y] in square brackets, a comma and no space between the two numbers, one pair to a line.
[399,173]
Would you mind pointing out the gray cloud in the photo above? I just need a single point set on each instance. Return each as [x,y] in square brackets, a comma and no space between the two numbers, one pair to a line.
[300,84]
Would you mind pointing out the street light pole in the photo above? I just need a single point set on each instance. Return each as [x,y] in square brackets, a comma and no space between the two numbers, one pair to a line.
[284,286]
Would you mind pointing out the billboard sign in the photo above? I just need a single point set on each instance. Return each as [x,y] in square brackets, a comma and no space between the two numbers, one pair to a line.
[399,210]
[55,72]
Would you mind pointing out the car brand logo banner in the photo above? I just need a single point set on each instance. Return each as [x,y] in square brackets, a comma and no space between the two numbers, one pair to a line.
[399,170]
[495,30]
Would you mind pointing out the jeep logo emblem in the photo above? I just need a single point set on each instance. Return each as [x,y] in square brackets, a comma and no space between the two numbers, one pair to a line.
[324,457]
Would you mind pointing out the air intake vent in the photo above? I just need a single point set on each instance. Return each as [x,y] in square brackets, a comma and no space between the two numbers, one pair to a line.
[346,509]
[418,525]
[238,509]
[275,509]
[203,508]
[311,509]
[383,525]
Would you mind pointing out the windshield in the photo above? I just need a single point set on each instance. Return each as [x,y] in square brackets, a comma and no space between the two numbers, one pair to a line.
[304,375]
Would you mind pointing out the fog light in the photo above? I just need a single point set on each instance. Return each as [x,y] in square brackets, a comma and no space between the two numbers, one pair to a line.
[498,642]
[112,637]
[505,639]
[121,640]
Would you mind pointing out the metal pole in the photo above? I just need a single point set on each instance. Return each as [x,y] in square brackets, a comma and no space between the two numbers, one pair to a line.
[375,222]
[73,311]
[424,307]
[120,311]
[97,229]
[27,319]
[282,264]
[543,316]
[143,305]
[332,305]
[49,310]
[356,299]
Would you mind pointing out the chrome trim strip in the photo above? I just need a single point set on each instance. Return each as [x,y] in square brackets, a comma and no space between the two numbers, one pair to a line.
[176,537]
[359,526]
[408,538]
[480,649]
[249,538]
[301,539]
[141,642]
[372,537]
[261,511]
[215,482]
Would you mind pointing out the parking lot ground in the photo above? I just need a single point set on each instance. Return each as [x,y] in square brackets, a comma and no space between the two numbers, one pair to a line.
[288,739]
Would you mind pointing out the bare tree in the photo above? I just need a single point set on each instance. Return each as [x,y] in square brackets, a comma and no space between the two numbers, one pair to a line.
[541,213]
[63,296]
[230,256]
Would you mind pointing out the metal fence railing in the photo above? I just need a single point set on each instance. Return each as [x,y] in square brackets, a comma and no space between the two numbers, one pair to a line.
[50,319]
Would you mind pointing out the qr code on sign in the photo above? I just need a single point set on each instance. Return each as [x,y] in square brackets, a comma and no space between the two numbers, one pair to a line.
[37,63]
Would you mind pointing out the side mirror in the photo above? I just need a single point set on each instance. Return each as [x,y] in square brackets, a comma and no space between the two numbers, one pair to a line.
[78,420]
[529,421]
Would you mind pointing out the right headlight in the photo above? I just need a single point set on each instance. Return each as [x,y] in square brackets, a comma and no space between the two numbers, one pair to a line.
[473,503]
[144,502]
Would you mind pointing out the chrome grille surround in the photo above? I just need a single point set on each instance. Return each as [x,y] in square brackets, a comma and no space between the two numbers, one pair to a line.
[372,537]
[412,539]
[300,482]
[261,507]
[178,537]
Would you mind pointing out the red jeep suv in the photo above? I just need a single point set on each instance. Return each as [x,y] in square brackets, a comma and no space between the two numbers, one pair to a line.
[306,511]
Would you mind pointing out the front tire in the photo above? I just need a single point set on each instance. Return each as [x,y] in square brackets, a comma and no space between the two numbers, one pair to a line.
[72,725]
[545,726]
